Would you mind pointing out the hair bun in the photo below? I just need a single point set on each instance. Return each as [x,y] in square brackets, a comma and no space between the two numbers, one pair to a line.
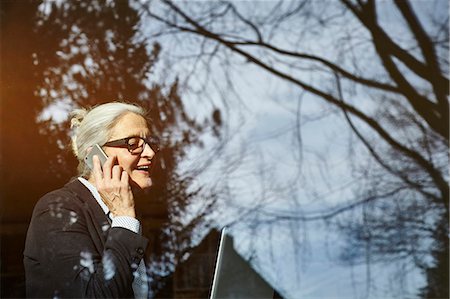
[75,122]
[77,117]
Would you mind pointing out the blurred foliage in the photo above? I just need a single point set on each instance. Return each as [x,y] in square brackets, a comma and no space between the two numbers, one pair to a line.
[79,54]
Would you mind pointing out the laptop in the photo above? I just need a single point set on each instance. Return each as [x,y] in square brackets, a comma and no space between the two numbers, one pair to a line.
[234,277]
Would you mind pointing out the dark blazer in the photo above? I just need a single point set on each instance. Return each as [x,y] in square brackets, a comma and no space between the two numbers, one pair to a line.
[71,251]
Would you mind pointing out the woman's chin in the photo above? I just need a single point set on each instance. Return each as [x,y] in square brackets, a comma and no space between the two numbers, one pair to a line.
[143,183]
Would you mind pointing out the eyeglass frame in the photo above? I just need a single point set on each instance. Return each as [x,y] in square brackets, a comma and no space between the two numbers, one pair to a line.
[123,142]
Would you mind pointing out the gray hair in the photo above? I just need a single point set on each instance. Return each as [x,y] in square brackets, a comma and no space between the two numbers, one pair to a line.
[93,126]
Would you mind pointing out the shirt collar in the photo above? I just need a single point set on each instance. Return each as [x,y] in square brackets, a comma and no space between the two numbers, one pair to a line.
[95,193]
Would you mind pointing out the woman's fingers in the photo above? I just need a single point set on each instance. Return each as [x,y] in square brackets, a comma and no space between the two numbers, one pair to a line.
[124,179]
[108,166]
[114,187]
[116,172]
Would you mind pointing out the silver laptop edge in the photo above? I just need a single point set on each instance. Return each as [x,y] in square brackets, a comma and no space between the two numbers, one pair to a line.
[218,263]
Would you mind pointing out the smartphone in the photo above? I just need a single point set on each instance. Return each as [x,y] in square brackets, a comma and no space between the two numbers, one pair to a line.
[96,150]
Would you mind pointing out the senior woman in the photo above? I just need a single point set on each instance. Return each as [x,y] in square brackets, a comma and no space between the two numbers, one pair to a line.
[84,239]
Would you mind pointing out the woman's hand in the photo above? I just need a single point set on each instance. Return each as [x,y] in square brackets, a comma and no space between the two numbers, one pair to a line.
[113,186]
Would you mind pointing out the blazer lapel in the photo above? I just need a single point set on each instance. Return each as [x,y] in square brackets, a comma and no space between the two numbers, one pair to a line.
[101,222]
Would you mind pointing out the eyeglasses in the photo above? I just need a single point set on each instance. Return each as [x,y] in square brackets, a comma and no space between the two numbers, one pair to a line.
[135,144]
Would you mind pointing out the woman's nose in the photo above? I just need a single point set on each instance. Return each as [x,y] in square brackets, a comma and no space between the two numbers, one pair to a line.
[148,151]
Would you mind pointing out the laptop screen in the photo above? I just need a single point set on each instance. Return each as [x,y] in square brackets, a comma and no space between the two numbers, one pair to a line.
[234,277]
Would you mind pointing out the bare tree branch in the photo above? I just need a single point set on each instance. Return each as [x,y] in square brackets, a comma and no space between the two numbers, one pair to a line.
[440,87]
[374,124]
[378,158]
[386,48]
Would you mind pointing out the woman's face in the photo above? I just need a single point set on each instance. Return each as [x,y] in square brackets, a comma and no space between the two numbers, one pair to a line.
[136,165]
